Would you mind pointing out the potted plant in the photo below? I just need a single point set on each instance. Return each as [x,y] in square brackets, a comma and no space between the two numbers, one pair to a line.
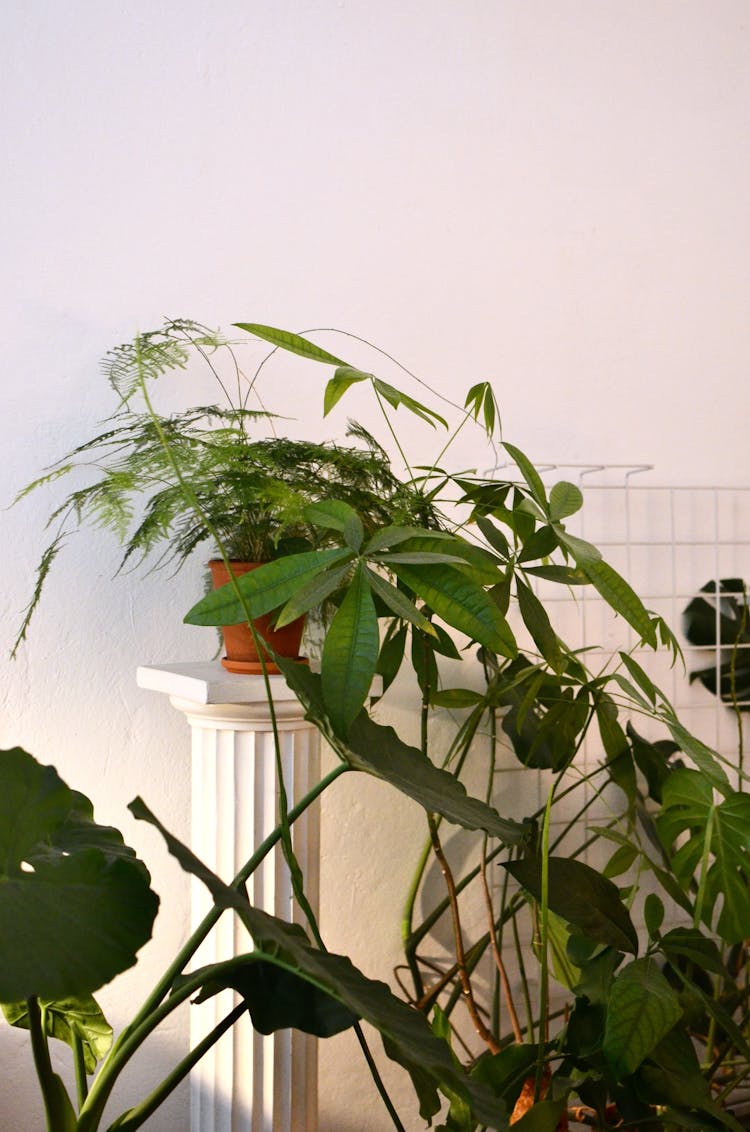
[613,1044]
[167,484]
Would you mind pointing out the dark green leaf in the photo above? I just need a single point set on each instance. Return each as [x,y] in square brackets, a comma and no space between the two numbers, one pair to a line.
[277,998]
[544,1116]
[391,655]
[398,602]
[642,1010]
[494,535]
[350,654]
[75,903]
[691,944]
[581,896]
[312,594]
[537,622]
[584,553]
[541,544]
[565,575]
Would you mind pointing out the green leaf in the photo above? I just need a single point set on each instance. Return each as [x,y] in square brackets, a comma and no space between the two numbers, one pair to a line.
[693,945]
[565,575]
[724,831]
[388,537]
[653,913]
[395,398]
[641,678]
[69,1020]
[379,751]
[294,343]
[460,602]
[704,758]
[277,998]
[457,698]
[264,589]
[529,473]
[581,896]
[391,655]
[481,398]
[621,598]
[494,535]
[584,553]
[344,377]
[537,622]
[564,500]
[350,654]
[398,602]
[544,1116]
[333,514]
[410,1041]
[642,1010]
[543,542]
[672,1075]
[312,594]
[75,903]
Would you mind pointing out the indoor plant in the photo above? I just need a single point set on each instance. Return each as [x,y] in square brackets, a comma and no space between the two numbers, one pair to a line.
[207,476]
[422,576]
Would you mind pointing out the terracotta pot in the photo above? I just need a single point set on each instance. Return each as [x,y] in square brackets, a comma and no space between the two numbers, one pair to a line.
[241,653]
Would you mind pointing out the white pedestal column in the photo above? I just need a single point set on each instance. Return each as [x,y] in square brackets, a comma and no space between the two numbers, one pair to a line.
[247,1082]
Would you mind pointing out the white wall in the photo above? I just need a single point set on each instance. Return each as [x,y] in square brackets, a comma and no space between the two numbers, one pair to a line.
[548,193]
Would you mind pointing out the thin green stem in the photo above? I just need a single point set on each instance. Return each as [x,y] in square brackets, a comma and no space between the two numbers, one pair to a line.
[393,433]
[137,1115]
[544,946]
[82,1084]
[57,1112]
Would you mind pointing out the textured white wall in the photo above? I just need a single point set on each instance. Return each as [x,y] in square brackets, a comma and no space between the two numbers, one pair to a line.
[549,194]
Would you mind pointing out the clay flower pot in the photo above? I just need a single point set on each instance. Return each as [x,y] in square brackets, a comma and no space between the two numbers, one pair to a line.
[241,653]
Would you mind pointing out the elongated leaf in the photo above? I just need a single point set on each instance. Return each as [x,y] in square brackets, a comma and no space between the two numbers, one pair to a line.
[294,343]
[409,1038]
[539,545]
[379,751]
[584,553]
[672,1075]
[332,514]
[264,589]
[343,379]
[642,679]
[462,604]
[564,500]
[642,1010]
[537,622]
[582,897]
[388,537]
[621,597]
[416,558]
[544,1116]
[312,594]
[75,903]
[457,698]
[70,1020]
[399,602]
[529,473]
[693,945]
[565,575]
[704,758]
[350,654]
[396,397]
[494,535]
[391,655]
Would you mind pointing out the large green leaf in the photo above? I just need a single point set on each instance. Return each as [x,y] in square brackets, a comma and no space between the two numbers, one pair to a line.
[379,751]
[462,603]
[294,343]
[721,830]
[350,654]
[564,500]
[70,1020]
[405,1031]
[642,1009]
[529,473]
[582,897]
[398,602]
[343,379]
[537,621]
[75,903]
[264,589]
[277,998]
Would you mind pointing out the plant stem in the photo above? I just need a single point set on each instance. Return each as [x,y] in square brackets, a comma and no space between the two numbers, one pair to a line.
[543,944]
[137,1115]
[51,1086]
[82,1085]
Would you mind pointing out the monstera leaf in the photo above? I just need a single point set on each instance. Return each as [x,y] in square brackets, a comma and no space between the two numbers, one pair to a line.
[75,903]
[722,618]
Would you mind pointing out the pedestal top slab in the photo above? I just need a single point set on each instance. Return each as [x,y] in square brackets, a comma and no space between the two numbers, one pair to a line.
[207,682]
